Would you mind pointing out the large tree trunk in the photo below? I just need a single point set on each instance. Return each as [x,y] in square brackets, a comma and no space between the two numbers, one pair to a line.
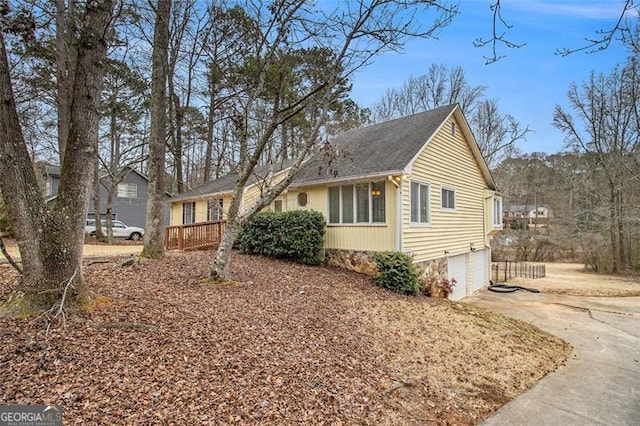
[65,67]
[178,148]
[220,265]
[219,269]
[154,234]
[50,243]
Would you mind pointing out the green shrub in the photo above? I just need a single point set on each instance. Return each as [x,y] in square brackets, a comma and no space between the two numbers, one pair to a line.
[397,272]
[297,235]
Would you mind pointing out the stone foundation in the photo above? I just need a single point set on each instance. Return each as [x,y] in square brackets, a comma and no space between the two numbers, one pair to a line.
[358,261]
[433,272]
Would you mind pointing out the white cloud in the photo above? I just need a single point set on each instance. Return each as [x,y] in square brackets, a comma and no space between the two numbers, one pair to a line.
[585,9]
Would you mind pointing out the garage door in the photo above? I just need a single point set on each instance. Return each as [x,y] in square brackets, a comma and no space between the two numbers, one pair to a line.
[480,265]
[458,269]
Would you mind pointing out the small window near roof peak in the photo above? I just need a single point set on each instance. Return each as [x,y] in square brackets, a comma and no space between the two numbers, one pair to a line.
[303,199]
[453,129]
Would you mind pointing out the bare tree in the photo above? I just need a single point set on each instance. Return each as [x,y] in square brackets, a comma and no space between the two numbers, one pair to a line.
[154,235]
[354,33]
[606,125]
[50,242]
[496,134]
[124,106]
[438,87]
[624,26]
[499,25]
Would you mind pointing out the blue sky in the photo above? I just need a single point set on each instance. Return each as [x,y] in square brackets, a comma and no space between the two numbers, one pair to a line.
[530,81]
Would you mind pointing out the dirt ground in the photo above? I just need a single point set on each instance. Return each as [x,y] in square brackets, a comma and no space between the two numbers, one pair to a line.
[574,279]
[282,344]
[92,248]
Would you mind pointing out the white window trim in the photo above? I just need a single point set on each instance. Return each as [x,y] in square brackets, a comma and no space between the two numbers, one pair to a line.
[355,205]
[455,199]
[420,224]
[48,186]
[499,212]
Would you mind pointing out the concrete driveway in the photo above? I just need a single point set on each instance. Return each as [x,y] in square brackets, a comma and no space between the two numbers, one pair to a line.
[600,383]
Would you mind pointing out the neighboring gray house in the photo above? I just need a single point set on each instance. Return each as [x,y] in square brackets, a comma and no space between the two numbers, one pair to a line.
[129,205]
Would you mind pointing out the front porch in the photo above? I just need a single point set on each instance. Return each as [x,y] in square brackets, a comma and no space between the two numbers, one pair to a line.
[194,236]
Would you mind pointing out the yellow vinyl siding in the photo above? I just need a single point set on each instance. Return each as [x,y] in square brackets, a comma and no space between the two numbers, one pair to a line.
[378,237]
[316,199]
[176,214]
[201,208]
[446,161]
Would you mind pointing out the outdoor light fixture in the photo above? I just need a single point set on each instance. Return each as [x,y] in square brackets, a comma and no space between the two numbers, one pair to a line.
[472,247]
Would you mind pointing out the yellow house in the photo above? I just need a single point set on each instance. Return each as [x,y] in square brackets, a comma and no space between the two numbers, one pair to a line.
[416,184]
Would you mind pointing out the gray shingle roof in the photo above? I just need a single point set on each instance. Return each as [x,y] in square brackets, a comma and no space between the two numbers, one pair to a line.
[228,182]
[379,149]
[224,183]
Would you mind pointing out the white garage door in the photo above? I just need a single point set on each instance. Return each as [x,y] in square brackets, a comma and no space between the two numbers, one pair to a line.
[458,269]
[480,276]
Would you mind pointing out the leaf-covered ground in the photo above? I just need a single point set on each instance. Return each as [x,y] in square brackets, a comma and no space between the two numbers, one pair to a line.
[283,344]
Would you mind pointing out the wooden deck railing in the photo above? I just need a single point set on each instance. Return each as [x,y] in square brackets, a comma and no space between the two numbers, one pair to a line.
[194,236]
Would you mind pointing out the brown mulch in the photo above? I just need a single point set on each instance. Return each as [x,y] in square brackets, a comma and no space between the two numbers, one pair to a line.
[282,344]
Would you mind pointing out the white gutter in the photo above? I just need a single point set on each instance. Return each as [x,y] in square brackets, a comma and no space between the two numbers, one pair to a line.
[355,178]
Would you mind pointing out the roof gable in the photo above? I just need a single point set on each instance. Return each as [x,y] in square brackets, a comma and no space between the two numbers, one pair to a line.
[460,119]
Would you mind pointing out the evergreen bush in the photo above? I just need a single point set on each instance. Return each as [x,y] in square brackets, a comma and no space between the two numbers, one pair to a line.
[397,272]
[297,235]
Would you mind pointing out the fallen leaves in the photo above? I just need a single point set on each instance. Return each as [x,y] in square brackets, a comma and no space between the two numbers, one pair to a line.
[286,344]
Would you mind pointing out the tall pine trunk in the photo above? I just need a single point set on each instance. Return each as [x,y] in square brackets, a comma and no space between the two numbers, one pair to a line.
[65,66]
[50,243]
[154,235]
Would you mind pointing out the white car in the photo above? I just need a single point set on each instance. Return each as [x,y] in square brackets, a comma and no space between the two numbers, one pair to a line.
[120,230]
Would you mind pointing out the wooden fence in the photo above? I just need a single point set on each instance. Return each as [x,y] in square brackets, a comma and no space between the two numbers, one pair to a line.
[194,236]
[504,271]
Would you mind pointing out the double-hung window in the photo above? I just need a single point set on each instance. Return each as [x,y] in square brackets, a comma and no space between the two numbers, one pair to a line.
[188,212]
[448,199]
[48,186]
[360,203]
[214,209]
[497,212]
[420,208]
